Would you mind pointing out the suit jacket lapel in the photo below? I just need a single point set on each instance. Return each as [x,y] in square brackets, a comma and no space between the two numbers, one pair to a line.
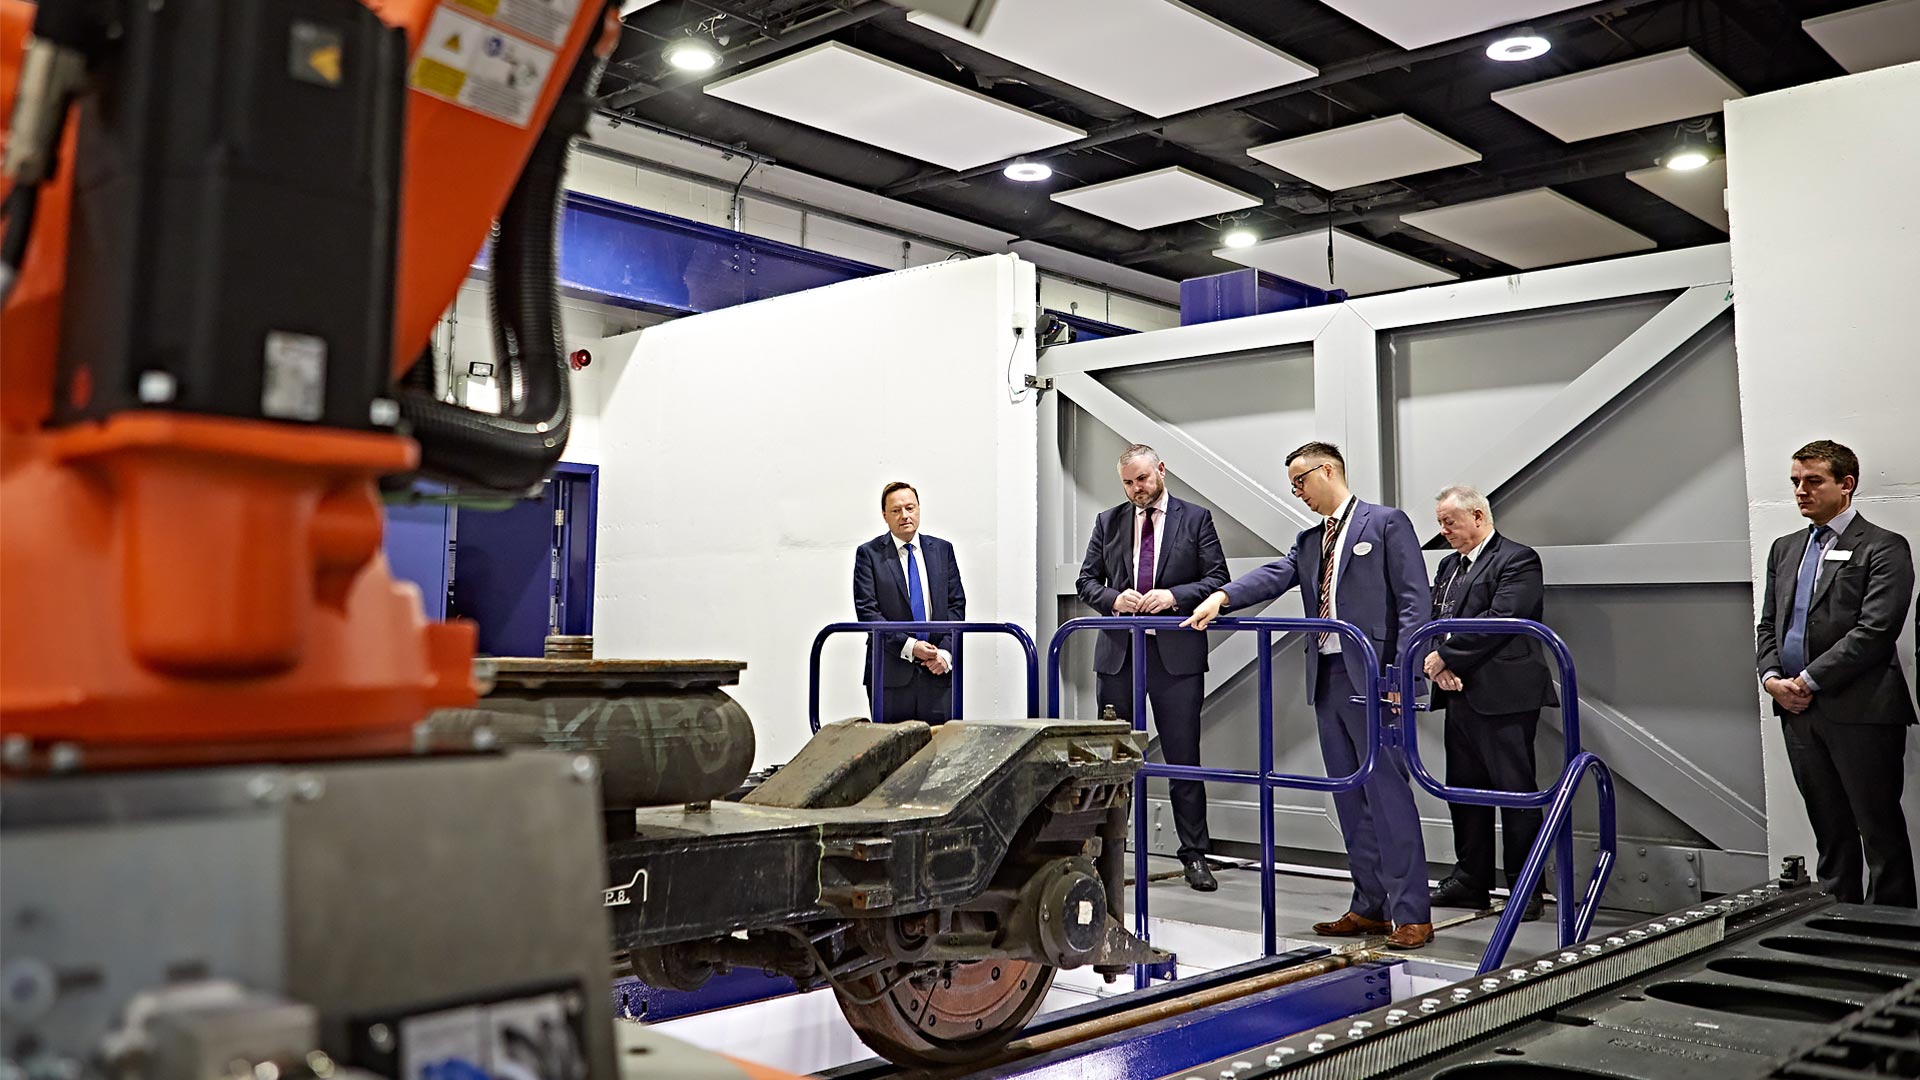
[1854,534]
[1349,539]
[1473,571]
[891,553]
[1787,579]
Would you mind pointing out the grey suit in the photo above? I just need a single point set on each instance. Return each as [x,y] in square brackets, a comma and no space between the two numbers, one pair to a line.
[1847,749]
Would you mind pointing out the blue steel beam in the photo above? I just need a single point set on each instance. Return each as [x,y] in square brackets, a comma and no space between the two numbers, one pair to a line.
[629,257]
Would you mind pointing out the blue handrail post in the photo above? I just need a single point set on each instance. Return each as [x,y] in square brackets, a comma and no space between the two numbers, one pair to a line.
[1266,779]
[1138,666]
[1269,916]
[875,632]
[959,642]
[876,675]
[1556,829]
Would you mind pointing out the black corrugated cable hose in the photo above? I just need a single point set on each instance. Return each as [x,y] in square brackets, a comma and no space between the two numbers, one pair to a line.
[515,450]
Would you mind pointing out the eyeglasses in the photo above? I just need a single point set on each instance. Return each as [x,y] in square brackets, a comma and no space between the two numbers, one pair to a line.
[1300,482]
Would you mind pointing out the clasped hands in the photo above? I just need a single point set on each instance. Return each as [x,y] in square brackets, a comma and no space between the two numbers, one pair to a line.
[1792,694]
[1133,602]
[1442,676]
[926,654]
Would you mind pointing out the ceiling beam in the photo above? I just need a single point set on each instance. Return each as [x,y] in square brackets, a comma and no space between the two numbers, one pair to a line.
[789,39]
[1370,64]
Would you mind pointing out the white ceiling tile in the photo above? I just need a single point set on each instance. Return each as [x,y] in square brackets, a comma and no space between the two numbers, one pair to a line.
[1360,265]
[1158,57]
[1415,24]
[1157,198]
[1530,228]
[1875,36]
[847,92]
[1700,192]
[1620,97]
[1365,153]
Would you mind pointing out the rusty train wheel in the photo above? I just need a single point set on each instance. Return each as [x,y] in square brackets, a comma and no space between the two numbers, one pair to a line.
[946,1016]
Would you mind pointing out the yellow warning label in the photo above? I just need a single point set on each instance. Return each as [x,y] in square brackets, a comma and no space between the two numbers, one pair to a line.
[485,7]
[481,68]
[437,78]
[325,62]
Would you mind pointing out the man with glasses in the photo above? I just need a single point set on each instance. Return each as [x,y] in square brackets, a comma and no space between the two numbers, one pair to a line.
[1361,565]
[1836,598]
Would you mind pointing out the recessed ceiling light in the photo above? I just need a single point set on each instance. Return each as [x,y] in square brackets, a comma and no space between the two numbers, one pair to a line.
[692,54]
[1027,172]
[1523,44]
[1687,160]
[1240,238]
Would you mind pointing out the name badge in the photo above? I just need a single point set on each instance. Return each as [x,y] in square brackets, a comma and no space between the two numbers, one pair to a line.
[1836,555]
[1363,547]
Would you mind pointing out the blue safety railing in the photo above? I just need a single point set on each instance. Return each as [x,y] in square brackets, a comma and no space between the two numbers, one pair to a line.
[1266,779]
[1556,830]
[876,633]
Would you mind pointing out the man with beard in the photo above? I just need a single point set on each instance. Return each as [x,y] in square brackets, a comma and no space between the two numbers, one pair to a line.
[1158,555]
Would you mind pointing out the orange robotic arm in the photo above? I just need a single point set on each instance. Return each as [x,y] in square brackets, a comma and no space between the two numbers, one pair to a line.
[192,432]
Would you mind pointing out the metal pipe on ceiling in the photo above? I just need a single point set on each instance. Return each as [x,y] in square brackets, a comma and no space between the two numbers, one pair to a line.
[1331,76]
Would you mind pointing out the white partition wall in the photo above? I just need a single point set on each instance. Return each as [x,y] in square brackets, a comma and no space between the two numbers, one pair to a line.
[742,457]
[1826,258]
[1596,405]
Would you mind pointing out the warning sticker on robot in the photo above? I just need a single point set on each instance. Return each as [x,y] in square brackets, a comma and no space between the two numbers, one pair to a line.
[471,64]
[547,20]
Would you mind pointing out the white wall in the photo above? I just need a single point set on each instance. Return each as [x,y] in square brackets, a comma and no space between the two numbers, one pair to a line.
[743,452]
[1826,254]
[712,204]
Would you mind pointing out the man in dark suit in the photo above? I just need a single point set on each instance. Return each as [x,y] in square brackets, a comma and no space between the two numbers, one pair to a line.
[1158,555]
[1836,598]
[903,575]
[1362,565]
[1493,687]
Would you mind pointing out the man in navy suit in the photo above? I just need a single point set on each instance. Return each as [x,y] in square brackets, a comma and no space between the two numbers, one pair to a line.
[1493,687]
[1158,555]
[903,575]
[1362,565]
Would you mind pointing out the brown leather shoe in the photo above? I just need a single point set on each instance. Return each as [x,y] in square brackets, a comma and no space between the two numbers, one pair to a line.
[1410,935]
[1351,925]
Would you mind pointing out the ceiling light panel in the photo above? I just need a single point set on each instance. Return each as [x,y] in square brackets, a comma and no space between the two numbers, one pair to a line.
[1874,36]
[1158,198]
[850,93]
[1415,24]
[1700,192]
[1360,266]
[1158,57]
[1530,228]
[1620,97]
[1368,153]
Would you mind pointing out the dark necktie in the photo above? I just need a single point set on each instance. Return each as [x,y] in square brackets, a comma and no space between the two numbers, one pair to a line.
[1328,545]
[1446,598]
[1793,649]
[1143,575]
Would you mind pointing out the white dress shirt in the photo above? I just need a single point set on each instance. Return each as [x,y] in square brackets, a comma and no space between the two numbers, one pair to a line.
[1344,514]
[920,565]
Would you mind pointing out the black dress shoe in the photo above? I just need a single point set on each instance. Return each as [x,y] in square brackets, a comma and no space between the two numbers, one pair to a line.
[1535,908]
[1199,878]
[1452,892]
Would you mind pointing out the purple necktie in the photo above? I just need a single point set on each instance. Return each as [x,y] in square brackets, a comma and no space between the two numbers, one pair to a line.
[1144,576]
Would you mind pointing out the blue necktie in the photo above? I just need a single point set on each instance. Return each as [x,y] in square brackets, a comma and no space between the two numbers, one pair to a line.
[1793,649]
[916,597]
